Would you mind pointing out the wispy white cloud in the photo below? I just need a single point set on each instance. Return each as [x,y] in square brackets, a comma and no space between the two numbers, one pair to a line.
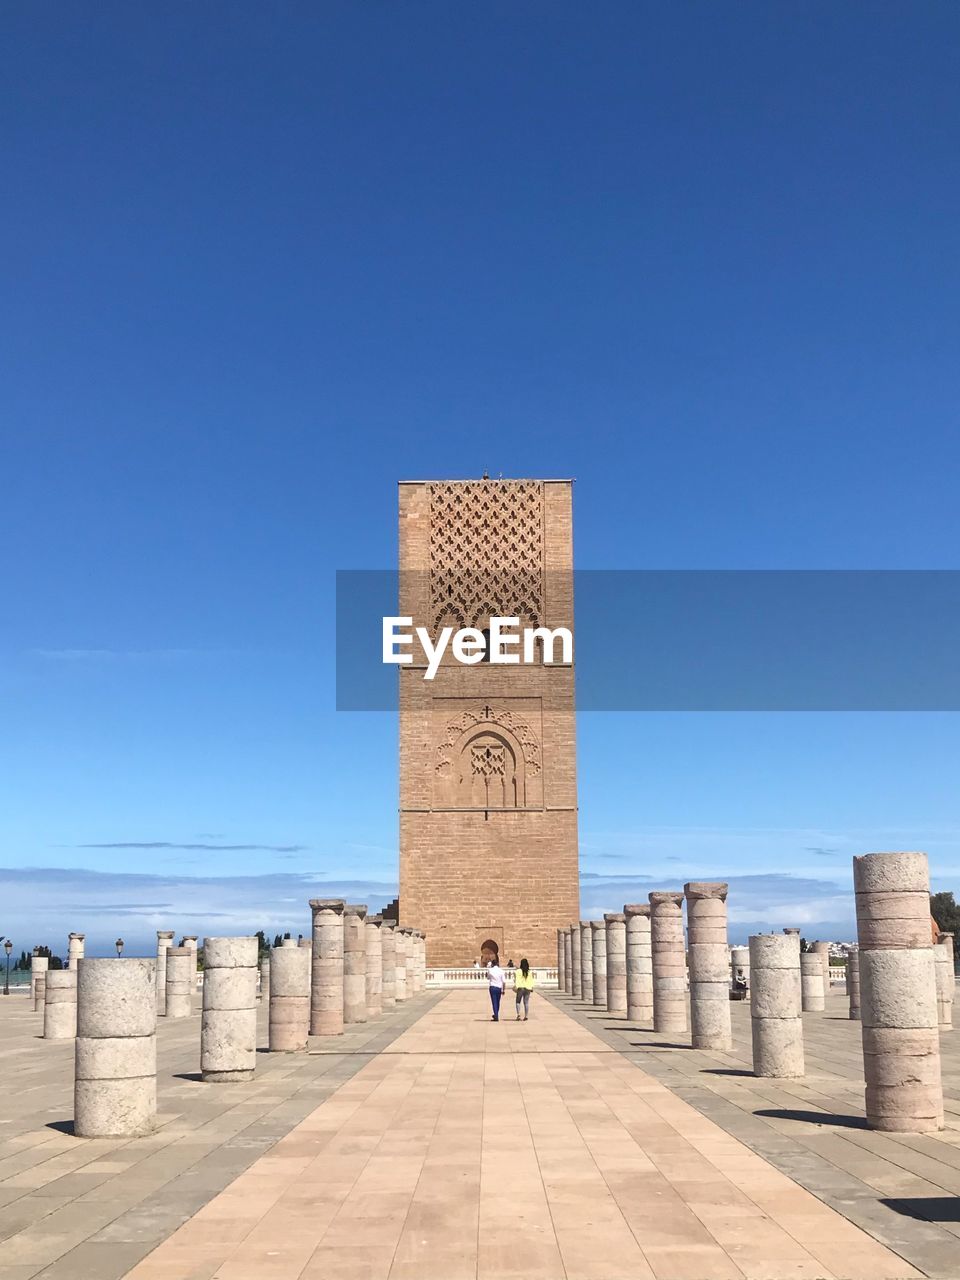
[48,902]
[755,903]
[215,848]
[162,655]
[714,852]
[113,655]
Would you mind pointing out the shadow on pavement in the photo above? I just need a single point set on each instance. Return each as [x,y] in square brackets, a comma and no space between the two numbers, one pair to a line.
[929,1208]
[817,1117]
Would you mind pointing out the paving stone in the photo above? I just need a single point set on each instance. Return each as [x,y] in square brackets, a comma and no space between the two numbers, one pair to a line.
[407,1138]
[74,1208]
[814,1129]
[473,1149]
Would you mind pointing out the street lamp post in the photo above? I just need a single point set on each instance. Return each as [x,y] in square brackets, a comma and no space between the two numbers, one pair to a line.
[119,945]
[8,947]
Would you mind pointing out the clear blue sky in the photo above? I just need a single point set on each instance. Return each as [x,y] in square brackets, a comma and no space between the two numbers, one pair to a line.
[263,261]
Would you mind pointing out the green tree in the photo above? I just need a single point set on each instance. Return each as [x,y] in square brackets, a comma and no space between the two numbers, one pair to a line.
[946,912]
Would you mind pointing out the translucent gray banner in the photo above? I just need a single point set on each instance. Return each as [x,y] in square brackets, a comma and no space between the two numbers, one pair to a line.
[738,640]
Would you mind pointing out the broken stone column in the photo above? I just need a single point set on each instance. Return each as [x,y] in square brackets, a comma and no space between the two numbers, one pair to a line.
[561,963]
[115,1086]
[388,951]
[598,932]
[407,950]
[60,1005]
[228,1030]
[811,982]
[180,982]
[307,944]
[164,943]
[740,965]
[822,949]
[853,982]
[75,947]
[639,963]
[39,965]
[898,988]
[374,969]
[943,961]
[416,949]
[775,1023]
[669,962]
[413,963]
[264,990]
[289,1011]
[586,962]
[709,965]
[616,948]
[792,933]
[355,963]
[400,972]
[190,940]
[576,959]
[326,969]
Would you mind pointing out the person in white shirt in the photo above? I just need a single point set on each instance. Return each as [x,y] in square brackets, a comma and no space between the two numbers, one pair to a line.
[497,979]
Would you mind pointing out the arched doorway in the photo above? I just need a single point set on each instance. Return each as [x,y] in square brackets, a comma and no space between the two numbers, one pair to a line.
[489,952]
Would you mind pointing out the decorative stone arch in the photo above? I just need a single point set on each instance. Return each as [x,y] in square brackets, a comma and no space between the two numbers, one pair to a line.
[489,769]
[489,759]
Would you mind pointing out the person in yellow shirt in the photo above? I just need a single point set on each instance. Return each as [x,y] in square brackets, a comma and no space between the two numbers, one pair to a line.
[523,985]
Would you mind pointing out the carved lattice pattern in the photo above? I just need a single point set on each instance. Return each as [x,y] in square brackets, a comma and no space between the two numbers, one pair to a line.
[489,762]
[486,552]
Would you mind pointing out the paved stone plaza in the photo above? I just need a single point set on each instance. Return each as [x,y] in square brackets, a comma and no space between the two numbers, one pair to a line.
[89,1209]
[433,1145]
[904,1189]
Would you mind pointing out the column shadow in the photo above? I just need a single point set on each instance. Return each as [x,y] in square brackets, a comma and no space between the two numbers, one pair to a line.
[927,1208]
[816,1117]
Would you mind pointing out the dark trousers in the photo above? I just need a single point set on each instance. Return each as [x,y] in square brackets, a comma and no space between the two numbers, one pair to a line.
[495,994]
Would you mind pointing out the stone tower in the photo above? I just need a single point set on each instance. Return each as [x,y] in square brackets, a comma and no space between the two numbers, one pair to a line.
[488,790]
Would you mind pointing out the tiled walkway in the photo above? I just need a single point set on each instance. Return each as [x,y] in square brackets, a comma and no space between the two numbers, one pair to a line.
[89,1209]
[512,1152]
[902,1188]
